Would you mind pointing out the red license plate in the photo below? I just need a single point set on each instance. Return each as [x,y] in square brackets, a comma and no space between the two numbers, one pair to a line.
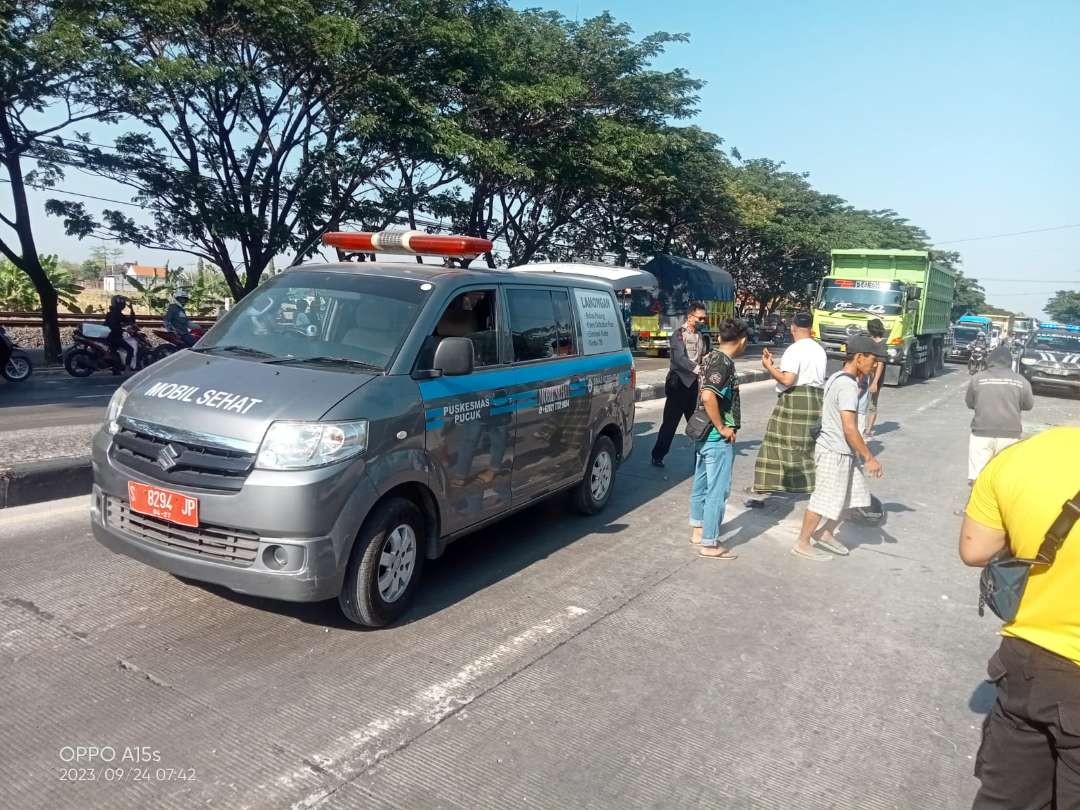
[174,507]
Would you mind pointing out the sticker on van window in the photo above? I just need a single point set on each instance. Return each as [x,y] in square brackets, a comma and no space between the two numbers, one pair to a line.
[599,321]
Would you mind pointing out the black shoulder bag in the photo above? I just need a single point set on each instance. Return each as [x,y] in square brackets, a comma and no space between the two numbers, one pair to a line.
[1001,586]
[699,424]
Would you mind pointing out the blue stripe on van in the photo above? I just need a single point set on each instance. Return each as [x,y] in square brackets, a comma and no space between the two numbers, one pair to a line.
[506,378]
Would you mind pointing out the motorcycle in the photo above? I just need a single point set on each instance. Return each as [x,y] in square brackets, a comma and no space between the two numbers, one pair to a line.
[172,342]
[977,359]
[93,353]
[14,365]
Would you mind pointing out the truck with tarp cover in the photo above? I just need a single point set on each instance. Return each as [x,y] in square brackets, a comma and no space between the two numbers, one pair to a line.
[656,315]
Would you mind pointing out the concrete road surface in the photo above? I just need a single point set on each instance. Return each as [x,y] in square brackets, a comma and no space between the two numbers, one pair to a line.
[551,661]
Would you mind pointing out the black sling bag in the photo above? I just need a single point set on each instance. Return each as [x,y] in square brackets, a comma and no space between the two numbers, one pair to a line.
[1001,586]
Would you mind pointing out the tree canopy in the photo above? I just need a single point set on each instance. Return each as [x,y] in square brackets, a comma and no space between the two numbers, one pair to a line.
[246,130]
[1064,306]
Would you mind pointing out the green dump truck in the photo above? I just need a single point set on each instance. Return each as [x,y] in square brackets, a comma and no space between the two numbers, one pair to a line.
[908,293]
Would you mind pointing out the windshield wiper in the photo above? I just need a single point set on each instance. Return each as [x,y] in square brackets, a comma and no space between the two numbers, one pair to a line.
[237,349]
[325,360]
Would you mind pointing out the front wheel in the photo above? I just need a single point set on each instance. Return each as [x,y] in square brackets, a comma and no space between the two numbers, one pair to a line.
[592,494]
[385,564]
[17,369]
[80,363]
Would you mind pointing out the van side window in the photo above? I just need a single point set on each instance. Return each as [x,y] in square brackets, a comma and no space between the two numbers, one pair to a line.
[532,324]
[564,322]
[470,315]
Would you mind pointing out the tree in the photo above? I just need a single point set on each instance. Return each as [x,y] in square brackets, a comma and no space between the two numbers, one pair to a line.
[56,67]
[969,298]
[1064,306]
[262,124]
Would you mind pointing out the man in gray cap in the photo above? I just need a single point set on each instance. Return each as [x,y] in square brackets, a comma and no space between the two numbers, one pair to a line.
[840,484]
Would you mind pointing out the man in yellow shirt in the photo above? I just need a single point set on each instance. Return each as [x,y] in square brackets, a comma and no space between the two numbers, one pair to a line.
[1030,753]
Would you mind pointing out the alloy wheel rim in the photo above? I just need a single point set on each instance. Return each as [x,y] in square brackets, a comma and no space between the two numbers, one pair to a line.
[600,476]
[397,562]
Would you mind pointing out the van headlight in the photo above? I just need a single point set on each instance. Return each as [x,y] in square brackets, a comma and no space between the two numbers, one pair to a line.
[893,353]
[303,445]
[1028,361]
[112,413]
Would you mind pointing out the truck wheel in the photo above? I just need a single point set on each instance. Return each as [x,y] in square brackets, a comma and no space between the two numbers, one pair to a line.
[592,494]
[940,358]
[385,564]
[931,361]
[905,371]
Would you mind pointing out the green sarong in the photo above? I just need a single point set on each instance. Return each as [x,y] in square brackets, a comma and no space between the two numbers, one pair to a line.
[785,460]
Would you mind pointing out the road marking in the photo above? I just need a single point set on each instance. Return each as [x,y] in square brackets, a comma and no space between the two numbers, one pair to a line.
[936,401]
[93,396]
[370,744]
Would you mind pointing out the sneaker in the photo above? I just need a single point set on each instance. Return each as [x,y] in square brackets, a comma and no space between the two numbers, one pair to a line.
[812,554]
[833,545]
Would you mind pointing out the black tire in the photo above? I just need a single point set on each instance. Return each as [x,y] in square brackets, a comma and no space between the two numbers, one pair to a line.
[361,599]
[905,372]
[17,369]
[940,359]
[80,363]
[594,491]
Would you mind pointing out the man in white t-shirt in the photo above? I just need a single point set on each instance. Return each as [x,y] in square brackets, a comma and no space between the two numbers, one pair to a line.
[785,461]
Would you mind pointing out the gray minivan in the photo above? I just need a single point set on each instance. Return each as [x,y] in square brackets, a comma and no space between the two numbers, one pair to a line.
[345,421]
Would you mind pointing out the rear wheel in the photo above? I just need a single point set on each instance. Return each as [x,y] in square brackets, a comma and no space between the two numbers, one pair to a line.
[161,352]
[385,564]
[17,368]
[80,363]
[592,494]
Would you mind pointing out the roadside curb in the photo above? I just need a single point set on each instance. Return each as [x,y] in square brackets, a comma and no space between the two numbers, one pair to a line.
[644,393]
[48,480]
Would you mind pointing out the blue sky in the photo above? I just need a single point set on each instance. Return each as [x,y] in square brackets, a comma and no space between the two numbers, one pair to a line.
[961,116]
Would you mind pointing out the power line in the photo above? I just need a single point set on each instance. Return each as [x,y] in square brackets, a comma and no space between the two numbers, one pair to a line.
[74,194]
[1004,235]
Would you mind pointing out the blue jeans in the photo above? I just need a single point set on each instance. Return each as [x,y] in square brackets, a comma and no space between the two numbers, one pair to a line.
[713,463]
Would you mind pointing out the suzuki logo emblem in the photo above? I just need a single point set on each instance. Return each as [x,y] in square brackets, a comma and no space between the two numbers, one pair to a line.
[168,457]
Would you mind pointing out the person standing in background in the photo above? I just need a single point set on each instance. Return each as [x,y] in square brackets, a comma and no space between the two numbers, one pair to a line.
[877,331]
[785,461]
[998,396]
[687,346]
[714,455]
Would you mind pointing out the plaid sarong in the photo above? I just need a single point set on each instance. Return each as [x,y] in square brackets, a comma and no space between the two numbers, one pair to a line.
[785,461]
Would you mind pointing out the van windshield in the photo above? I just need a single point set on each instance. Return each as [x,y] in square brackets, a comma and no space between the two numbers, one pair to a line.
[338,321]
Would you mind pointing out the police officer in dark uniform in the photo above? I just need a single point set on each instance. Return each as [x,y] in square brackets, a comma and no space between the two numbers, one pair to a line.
[686,348]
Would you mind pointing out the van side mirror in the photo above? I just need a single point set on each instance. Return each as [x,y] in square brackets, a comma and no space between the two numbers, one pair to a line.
[914,293]
[454,356]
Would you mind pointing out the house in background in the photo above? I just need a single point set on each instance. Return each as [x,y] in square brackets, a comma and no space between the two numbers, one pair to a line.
[119,282]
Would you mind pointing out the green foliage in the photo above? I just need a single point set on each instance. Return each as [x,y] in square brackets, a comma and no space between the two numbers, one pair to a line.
[154,294]
[1064,306]
[17,293]
[969,299]
[208,290]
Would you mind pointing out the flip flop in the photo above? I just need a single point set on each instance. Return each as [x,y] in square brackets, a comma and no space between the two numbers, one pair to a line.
[726,554]
[812,554]
[835,546]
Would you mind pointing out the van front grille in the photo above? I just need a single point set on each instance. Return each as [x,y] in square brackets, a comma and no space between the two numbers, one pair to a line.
[187,464]
[213,542]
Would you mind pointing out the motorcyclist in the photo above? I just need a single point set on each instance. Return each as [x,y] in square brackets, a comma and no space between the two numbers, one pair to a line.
[979,349]
[176,319]
[117,322]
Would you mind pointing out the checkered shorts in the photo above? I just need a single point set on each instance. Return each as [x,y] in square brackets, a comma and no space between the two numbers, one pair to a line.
[839,485]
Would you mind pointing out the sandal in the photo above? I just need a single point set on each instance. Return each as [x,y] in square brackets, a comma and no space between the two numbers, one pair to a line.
[721,553]
[813,554]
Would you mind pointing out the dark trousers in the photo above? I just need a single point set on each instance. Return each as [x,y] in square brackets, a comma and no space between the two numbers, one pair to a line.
[1030,752]
[679,403]
[119,345]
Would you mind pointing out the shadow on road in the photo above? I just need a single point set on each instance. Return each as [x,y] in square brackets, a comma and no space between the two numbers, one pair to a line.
[493,554]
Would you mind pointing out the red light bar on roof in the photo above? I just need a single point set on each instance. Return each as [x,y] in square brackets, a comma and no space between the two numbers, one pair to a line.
[416,243]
